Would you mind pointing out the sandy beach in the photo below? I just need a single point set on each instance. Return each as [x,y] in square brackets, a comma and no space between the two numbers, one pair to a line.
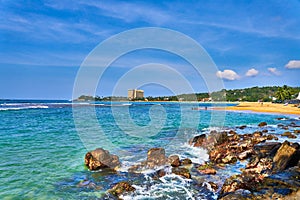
[266,107]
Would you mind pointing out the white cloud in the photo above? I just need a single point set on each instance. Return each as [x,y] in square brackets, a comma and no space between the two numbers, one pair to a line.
[228,75]
[252,72]
[274,71]
[293,64]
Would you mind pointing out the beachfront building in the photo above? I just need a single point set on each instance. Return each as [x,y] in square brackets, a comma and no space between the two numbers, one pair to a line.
[135,94]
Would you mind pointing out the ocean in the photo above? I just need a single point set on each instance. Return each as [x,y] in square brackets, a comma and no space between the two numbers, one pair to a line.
[43,144]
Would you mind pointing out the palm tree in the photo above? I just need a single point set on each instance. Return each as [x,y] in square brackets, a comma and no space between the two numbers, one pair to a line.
[283,93]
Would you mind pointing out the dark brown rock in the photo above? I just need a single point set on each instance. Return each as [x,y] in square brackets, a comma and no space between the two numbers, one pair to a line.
[186,161]
[242,127]
[156,157]
[262,124]
[297,131]
[268,148]
[213,185]
[181,172]
[174,160]
[198,140]
[100,158]
[121,188]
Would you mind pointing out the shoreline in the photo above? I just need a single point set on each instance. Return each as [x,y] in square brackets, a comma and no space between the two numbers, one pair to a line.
[266,107]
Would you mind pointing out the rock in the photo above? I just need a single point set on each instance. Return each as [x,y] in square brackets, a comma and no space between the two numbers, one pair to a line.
[121,188]
[186,161]
[181,172]
[242,127]
[265,131]
[257,134]
[244,155]
[213,185]
[297,131]
[229,159]
[174,161]
[268,148]
[262,124]
[156,157]
[292,136]
[287,133]
[100,158]
[283,157]
[198,140]
[208,171]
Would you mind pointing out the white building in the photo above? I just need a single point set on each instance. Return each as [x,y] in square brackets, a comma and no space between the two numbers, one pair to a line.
[135,94]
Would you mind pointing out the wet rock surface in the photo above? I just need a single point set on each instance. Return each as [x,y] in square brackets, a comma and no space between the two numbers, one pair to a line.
[121,188]
[100,158]
[270,169]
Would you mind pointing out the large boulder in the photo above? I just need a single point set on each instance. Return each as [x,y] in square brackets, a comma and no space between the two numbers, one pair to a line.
[100,158]
[156,157]
[284,156]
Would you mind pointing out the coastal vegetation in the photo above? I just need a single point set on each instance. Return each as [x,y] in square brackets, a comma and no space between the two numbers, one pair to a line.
[253,94]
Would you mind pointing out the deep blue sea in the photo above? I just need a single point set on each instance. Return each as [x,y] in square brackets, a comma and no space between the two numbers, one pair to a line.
[43,144]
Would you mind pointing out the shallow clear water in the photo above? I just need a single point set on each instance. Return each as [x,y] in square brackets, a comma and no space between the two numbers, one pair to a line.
[42,146]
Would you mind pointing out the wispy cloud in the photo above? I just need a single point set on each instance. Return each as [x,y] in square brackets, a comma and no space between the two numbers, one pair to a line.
[274,71]
[293,64]
[228,74]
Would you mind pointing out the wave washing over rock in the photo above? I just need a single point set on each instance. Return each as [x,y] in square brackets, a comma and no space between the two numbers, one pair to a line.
[269,169]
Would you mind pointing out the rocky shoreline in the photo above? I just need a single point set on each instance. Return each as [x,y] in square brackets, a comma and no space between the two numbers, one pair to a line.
[272,170]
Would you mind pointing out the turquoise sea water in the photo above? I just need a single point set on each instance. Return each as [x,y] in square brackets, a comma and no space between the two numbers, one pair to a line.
[43,144]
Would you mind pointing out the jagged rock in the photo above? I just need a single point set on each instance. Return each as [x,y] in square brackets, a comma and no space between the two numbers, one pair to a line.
[174,160]
[100,158]
[283,156]
[181,172]
[186,161]
[262,124]
[198,140]
[121,188]
[244,155]
[268,148]
[229,159]
[156,157]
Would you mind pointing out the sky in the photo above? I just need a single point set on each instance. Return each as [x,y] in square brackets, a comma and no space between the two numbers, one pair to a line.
[44,43]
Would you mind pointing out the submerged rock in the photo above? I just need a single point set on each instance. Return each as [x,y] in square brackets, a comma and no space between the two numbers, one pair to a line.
[181,171]
[100,158]
[262,124]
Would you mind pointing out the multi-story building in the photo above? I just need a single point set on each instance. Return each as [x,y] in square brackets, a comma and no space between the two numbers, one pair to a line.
[135,94]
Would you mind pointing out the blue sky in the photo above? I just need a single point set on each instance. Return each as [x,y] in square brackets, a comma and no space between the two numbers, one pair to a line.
[43,43]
